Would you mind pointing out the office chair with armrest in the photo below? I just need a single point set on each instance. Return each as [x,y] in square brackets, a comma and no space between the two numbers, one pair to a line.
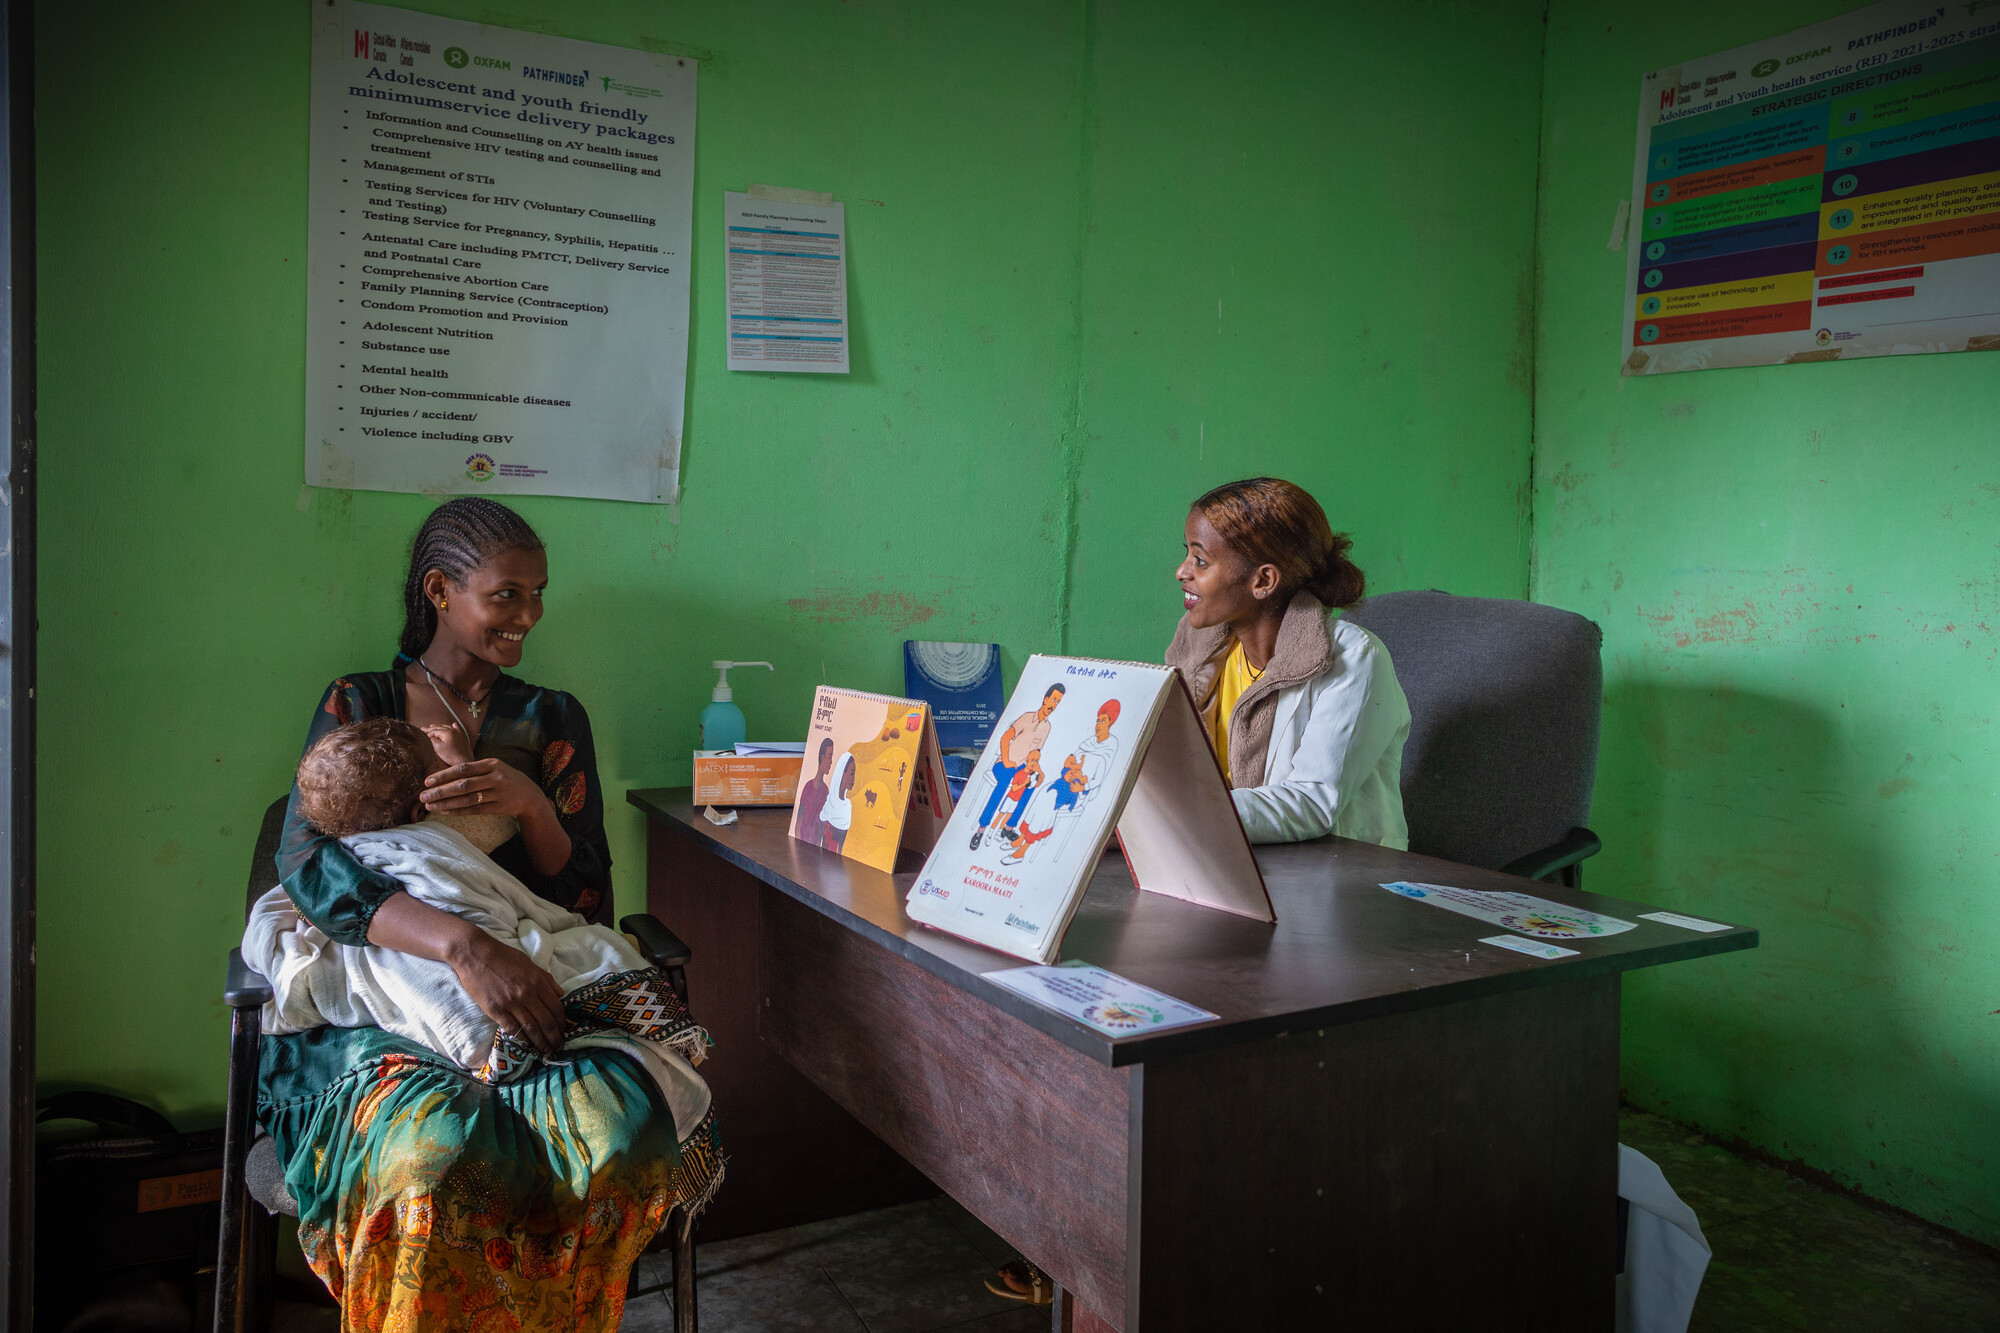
[253,1183]
[1505,701]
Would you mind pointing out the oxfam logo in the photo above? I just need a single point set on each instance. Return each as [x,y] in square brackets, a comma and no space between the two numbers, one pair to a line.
[1762,68]
[455,57]
[479,467]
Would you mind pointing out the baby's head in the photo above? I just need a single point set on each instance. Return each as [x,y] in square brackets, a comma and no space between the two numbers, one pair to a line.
[365,776]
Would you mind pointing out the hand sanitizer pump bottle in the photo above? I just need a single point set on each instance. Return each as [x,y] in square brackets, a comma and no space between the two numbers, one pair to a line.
[722,725]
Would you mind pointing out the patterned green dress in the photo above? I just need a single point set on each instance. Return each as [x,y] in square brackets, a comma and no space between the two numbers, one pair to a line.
[430,1200]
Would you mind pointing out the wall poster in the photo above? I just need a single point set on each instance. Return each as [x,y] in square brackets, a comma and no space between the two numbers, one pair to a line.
[1827,194]
[498,236]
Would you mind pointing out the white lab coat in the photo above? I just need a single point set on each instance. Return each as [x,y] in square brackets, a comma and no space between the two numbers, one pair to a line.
[1335,763]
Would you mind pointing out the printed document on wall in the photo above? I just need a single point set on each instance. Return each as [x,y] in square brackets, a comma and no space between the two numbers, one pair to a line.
[1826,194]
[787,277]
[497,281]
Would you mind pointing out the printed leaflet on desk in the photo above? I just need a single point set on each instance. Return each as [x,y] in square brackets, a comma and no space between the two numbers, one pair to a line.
[1106,1001]
[1516,911]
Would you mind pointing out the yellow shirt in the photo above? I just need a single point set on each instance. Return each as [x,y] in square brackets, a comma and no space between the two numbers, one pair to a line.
[1237,676]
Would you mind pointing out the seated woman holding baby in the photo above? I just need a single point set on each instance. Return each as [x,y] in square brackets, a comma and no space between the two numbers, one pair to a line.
[482,1102]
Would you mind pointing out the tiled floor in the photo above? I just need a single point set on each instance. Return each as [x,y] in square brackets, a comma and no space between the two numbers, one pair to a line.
[1788,1255]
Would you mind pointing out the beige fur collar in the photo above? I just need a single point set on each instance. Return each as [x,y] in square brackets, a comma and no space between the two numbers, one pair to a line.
[1304,649]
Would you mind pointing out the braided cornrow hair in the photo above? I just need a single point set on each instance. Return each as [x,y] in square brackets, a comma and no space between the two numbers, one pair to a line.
[459,536]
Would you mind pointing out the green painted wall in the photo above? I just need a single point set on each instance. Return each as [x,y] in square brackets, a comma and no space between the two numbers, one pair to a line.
[1308,255]
[1797,573]
[1027,184]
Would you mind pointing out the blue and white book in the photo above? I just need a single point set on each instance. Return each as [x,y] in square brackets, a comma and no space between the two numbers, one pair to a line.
[961,683]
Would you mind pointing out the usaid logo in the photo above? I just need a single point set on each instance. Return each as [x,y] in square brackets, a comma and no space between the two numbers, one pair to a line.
[930,890]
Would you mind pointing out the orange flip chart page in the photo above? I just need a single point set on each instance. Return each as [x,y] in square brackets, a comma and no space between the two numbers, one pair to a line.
[872,779]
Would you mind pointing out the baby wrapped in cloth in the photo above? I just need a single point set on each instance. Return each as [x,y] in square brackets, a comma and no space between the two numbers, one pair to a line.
[358,783]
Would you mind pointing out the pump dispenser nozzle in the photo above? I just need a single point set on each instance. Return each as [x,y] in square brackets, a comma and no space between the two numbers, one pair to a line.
[723,693]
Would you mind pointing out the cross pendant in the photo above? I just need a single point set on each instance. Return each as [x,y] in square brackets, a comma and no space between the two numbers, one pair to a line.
[473,709]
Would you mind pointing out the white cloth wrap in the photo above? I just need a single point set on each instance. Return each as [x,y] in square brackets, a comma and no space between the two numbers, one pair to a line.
[1665,1252]
[316,982]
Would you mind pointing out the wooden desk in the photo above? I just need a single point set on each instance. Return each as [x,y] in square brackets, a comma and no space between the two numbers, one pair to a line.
[1390,1125]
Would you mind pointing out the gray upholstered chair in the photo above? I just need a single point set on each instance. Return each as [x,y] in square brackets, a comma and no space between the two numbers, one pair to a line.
[253,1183]
[1505,699]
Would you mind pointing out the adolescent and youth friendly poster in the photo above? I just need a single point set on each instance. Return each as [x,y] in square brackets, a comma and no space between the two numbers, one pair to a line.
[497,276]
[1827,194]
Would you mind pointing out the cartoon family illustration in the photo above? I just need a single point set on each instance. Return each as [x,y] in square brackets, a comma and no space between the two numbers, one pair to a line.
[1041,806]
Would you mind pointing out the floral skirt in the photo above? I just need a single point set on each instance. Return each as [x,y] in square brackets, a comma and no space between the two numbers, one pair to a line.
[431,1201]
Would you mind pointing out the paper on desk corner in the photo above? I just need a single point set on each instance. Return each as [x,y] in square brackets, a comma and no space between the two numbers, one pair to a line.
[719,818]
[1684,922]
[1533,948]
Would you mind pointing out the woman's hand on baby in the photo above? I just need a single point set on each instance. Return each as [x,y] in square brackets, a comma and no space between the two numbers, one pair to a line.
[489,786]
[509,989]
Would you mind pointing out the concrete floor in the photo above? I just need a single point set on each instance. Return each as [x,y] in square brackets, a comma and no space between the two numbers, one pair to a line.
[1788,1255]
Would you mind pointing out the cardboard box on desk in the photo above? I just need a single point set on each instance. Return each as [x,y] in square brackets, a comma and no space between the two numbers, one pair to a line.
[722,777]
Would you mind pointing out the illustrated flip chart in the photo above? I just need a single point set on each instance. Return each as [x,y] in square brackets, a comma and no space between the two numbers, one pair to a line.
[872,779]
[1085,746]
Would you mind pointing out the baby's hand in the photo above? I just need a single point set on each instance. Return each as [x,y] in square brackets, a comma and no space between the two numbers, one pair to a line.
[450,746]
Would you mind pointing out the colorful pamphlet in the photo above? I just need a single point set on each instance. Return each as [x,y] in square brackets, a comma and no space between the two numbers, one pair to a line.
[872,779]
[1521,912]
[1106,1001]
[1087,746]
[961,683]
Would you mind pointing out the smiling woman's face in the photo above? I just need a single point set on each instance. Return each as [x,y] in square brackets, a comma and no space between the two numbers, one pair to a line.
[1215,579]
[500,602]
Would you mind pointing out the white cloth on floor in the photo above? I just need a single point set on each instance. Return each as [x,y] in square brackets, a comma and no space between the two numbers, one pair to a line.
[316,982]
[1665,1252]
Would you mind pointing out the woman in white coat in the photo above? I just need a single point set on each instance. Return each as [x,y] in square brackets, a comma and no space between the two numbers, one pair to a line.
[1302,706]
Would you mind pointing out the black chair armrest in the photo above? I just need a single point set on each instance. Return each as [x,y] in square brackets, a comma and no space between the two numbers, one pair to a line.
[1574,847]
[243,987]
[662,948]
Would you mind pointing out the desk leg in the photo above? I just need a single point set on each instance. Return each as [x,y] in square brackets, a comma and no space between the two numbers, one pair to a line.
[1070,1315]
[794,1155]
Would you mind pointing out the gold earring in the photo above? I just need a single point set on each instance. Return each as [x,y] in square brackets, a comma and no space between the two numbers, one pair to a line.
[444,603]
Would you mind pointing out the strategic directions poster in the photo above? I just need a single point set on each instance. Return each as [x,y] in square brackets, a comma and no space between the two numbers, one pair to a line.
[1827,194]
[497,291]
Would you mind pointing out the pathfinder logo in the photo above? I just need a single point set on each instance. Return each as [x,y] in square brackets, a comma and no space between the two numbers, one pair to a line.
[555,76]
[479,467]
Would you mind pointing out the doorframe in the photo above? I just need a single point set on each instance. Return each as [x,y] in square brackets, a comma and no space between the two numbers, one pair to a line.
[17,656]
